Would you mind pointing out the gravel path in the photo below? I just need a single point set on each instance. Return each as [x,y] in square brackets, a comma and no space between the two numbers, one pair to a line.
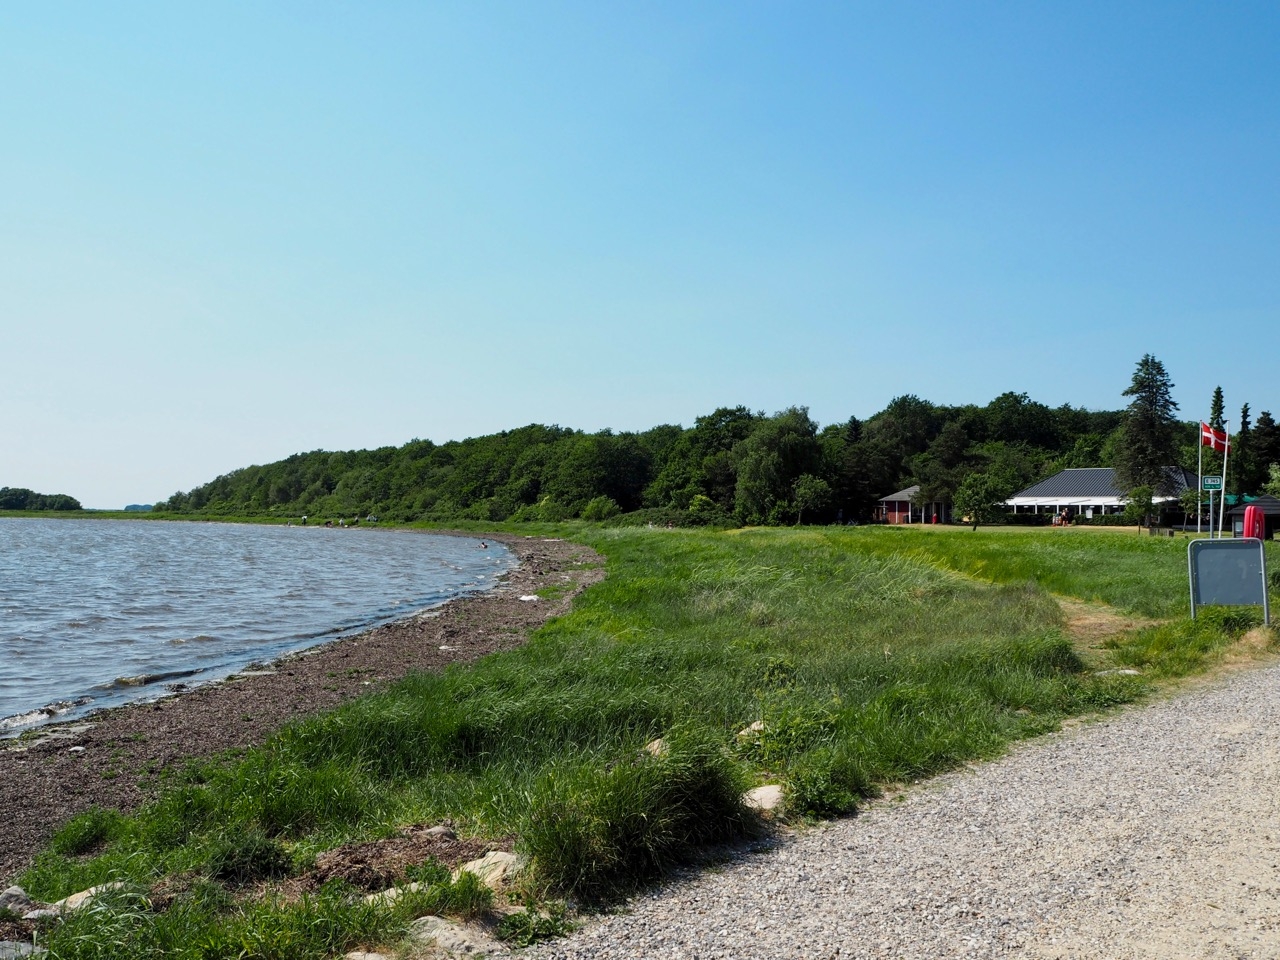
[1152,834]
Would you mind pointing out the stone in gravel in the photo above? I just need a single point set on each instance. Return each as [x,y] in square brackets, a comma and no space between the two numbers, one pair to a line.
[455,940]
[765,798]
[495,869]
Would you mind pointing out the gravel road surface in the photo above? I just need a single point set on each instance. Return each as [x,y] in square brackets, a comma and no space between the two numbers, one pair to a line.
[1150,834]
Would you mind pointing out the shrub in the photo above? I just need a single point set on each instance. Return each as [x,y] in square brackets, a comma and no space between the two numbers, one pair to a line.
[601,508]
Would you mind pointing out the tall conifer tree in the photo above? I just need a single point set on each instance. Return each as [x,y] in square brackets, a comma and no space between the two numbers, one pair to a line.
[1216,409]
[1243,479]
[1147,435]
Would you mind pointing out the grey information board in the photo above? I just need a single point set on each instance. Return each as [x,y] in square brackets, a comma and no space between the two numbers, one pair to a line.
[1228,573]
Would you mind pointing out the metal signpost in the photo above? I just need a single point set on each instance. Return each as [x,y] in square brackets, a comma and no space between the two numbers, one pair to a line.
[1228,573]
[1211,484]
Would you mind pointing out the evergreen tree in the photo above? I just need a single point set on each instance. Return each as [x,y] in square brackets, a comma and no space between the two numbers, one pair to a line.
[1266,444]
[1243,479]
[1216,410]
[1147,441]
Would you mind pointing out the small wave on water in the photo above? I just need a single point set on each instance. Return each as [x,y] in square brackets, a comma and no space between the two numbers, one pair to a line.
[41,714]
[105,612]
[146,679]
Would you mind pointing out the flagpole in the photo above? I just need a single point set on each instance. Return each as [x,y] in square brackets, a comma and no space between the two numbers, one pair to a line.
[1199,479]
[1222,500]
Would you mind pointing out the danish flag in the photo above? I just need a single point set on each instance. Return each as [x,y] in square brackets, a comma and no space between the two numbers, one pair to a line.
[1210,437]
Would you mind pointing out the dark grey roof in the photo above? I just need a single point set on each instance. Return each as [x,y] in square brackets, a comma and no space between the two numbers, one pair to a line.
[901,495]
[1082,482]
[1077,482]
[1176,481]
[1269,505]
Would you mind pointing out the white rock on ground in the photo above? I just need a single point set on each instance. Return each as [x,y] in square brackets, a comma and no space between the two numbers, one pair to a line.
[495,869]
[389,896]
[765,798]
[753,730]
[15,900]
[1153,834]
[73,902]
[657,748]
[454,939]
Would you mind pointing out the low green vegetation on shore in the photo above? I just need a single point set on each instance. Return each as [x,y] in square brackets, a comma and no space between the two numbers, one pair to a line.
[833,661]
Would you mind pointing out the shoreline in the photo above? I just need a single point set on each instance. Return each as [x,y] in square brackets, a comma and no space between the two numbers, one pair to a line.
[169,663]
[110,758]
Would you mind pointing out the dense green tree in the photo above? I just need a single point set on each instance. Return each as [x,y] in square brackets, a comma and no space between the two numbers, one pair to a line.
[1016,418]
[1147,443]
[1272,486]
[812,495]
[779,450]
[980,498]
[1266,443]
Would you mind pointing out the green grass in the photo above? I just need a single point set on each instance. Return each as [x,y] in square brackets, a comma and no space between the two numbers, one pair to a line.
[872,656]
[1137,574]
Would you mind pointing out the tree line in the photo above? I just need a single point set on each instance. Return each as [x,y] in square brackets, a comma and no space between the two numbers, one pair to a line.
[20,498]
[735,465]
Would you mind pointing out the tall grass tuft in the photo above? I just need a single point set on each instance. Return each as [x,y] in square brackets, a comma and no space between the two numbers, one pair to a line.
[595,831]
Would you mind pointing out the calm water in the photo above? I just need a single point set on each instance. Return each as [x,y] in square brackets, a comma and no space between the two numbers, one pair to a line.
[97,612]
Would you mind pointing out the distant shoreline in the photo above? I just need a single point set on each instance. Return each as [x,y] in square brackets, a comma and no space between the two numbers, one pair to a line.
[110,758]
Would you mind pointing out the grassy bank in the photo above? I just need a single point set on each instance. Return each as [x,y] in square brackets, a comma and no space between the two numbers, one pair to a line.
[865,657]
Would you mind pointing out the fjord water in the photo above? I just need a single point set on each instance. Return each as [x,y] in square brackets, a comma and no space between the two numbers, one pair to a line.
[94,613]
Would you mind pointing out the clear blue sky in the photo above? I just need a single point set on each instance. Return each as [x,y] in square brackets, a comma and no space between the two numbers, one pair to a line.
[229,233]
